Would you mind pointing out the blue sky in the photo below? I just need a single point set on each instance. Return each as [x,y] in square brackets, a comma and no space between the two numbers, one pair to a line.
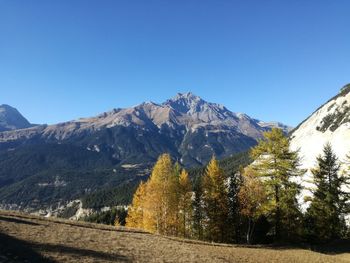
[274,60]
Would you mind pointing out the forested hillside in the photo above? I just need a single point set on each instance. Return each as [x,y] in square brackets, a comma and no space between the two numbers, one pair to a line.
[259,203]
[100,160]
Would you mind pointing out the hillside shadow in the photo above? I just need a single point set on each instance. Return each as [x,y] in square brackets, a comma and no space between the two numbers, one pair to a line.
[15,250]
[83,252]
[19,221]
[333,248]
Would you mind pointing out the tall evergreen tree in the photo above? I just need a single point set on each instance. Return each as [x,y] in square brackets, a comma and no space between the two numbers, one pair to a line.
[346,193]
[278,167]
[325,215]
[197,207]
[233,217]
[215,202]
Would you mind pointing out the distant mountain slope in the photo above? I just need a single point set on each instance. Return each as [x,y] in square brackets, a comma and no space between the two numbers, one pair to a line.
[329,123]
[101,159]
[186,126]
[46,175]
[11,119]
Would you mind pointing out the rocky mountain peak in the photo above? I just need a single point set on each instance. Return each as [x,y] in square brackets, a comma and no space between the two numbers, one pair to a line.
[197,108]
[187,103]
[11,119]
[187,96]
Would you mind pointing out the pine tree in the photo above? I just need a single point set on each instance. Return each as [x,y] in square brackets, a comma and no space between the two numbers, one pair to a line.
[215,202]
[233,217]
[325,216]
[346,185]
[135,215]
[197,206]
[185,204]
[278,167]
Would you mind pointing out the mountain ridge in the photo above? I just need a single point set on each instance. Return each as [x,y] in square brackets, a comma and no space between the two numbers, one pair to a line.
[343,92]
[330,123]
[185,115]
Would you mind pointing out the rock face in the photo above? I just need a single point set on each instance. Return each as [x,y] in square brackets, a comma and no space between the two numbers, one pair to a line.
[11,119]
[329,123]
[189,128]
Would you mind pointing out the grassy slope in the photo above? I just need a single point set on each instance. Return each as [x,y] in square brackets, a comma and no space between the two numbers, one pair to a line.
[53,240]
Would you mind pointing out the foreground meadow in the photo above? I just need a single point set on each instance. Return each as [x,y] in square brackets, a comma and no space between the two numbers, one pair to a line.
[25,238]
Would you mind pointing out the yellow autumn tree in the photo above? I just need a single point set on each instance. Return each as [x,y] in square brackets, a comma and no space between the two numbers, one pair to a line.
[215,202]
[252,197]
[160,214]
[116,222]
[172,197]
[135,215]
[185,204]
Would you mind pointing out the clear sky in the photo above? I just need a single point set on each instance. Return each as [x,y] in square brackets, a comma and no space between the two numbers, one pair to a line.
[274,60]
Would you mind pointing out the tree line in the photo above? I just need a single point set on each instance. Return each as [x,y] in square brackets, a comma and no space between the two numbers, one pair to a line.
[258,204]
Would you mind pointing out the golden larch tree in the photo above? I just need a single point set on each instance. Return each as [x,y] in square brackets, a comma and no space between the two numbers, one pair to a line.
[135,215]
[185,204]
[215,202]
[161,199]
[252,198]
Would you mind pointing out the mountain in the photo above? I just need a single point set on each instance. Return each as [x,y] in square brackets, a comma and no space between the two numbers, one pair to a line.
[186,126]
[11,119]
[106,156]
[329,123]
[287,129]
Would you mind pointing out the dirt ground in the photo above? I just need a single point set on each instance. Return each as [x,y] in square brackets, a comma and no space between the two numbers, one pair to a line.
[25,238]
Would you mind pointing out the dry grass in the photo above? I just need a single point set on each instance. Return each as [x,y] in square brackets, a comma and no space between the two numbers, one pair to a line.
[52,240]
